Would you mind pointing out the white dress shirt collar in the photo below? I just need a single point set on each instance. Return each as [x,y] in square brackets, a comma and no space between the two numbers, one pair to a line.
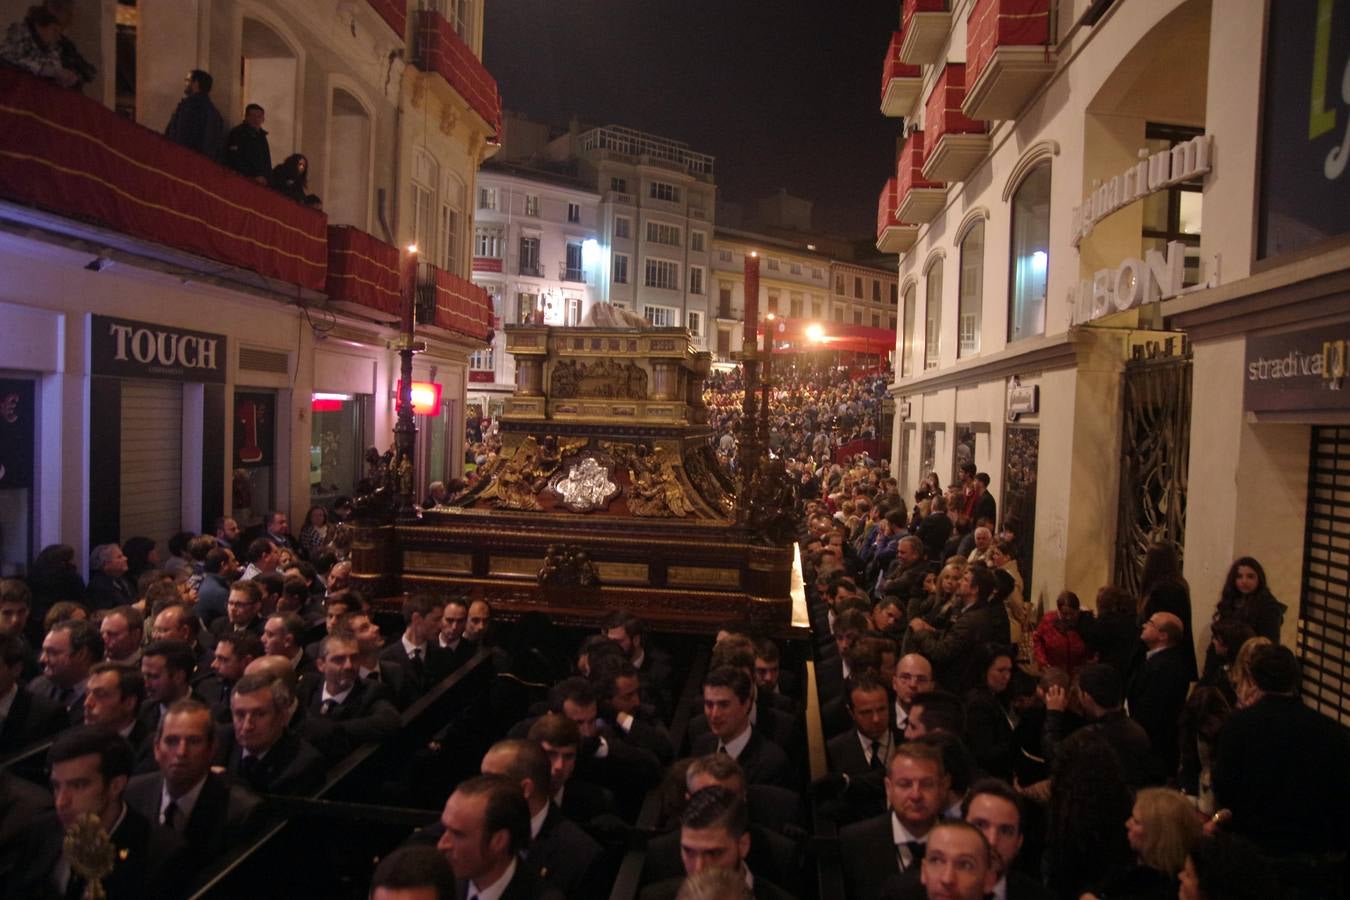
[537,822]
[737,744]
[498,887]
[186,803]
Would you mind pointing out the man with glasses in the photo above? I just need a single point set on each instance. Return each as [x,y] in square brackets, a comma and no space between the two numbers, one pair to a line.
[913,676]
[243,611]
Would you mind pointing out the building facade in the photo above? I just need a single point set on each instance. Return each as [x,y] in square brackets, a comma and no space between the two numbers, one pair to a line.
[1097,284]
[537,254]
[180,343]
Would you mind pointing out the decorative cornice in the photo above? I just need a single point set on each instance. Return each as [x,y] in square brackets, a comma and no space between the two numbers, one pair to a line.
[1057,351]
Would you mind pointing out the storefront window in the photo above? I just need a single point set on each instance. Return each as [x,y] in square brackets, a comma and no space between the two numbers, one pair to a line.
[337,445]
[18,435]
[253,483]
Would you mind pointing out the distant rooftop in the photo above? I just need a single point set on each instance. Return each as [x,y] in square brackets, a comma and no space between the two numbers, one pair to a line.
[546,171]
[631,142]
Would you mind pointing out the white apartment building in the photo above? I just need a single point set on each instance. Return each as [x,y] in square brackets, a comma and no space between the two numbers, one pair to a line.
[657,212]
[1125,237]
[537,252]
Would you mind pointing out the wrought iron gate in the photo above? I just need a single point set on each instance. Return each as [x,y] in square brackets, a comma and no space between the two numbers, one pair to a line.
[1155,448]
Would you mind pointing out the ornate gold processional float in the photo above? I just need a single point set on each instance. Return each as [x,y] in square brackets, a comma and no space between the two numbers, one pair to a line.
[606,494]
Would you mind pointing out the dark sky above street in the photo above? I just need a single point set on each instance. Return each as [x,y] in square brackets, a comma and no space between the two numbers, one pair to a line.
[784,93]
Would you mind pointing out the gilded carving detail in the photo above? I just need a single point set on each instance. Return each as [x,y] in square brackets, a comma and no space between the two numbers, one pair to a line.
[654,489]
[517,482]
[601,378]
[586,486]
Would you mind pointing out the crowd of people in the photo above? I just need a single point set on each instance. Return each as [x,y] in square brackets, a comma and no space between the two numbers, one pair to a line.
[1094,755]
[38,44]
[813,410]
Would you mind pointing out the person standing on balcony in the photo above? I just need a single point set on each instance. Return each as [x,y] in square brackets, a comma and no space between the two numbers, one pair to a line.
[292,179]
[34,45]
[246,148]
[71,58]
[196,123]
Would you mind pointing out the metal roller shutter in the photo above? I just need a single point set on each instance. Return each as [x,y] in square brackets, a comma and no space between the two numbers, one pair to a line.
[1324,615]
[152,460]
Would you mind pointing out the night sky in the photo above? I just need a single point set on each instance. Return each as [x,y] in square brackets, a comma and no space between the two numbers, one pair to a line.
[785,93]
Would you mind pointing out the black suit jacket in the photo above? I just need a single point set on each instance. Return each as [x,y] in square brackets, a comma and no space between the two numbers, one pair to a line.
[459,655]
[761,761]
[865,795]
[989,734]
[952,652]
[771,855]
[583,802]
[868,857]
[525,885]
[32,718]
[772,724]
[435,665]
[366,714]
[393,676]
[215,694]
[20,803]
[567,857]
[654,678]
[225,814]
[151,861]
[1157,694]
[292,766]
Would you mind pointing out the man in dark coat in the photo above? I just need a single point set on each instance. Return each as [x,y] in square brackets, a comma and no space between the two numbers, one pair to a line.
[90,768]
[25,717]
[952,651]
[258,751]
[108,585]
[196,123]
[1158,689]
[184,794]
[486,825]
[727,703]
[246,148]
[342,712]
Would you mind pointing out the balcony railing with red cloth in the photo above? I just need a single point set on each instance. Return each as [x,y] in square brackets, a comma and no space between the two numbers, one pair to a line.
[394,12]
[363,270]
[909,167]
[886,205]
[893,67]
[909,7]
[455,304]
[441,50]
[942,110]
[1003,23]
[66,153]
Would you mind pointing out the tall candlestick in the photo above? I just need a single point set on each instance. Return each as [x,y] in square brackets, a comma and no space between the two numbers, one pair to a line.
[751,328]
[409,287]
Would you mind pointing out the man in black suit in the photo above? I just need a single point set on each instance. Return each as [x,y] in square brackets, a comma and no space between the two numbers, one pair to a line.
[369,666]
[167,668]
[25,717]
[563,855]
[913,676]
[108,585]
[953,650]
[342,712]
[413,872]
[1158,689]
[177,622]
[90,768]
[653,664]
[1281,781]
[184,795]
[69,651]
[714,834]
[451,639]
[243,611]
[418,651]
[774,716]
[894,843]
[858,757]
[232,655]
[1102,698]
[283,635]
[581,801]
[258,751]
[113,699]
[487,828]
[726,703]
[619,690]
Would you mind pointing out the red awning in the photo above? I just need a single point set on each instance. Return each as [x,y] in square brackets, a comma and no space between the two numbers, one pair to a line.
[803,335]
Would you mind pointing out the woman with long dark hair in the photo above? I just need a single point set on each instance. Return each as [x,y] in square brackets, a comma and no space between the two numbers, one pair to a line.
[291,177]
[990,718]
[1163,589]
[1247,598]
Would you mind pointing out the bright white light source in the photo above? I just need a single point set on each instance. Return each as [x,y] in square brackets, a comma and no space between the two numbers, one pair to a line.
[339,397]
[1038,261]
[590,253]
[815,332]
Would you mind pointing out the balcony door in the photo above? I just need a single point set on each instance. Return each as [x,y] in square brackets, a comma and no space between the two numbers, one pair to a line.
[270,77]
[347,192]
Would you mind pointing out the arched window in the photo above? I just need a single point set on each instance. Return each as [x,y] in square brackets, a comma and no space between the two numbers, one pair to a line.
[1030,255]
[347,192]
[932,314]
[907,334]
[971,288]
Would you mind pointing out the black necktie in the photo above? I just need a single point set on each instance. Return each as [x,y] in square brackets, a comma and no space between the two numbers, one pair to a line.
[722,748]
[916,850]
[419,668]
[247,766]
[877,761]
[373,675]
[326,709]
[171,814]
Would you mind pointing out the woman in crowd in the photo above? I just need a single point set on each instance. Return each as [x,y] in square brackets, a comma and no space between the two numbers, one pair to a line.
[316,533]
[1224,867]
[1205,711]
[34,46]
[1056,641]
[291,177]
[1004,557]
[54,577]
[937,607]
[142,556]
[1163,589]
[990,718]
[1241,672]
[1113,635]
[1161,830]
[1226,638]
[1246,600]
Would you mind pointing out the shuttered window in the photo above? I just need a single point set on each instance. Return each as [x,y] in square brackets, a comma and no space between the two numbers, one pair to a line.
[152,461]
[1324,611]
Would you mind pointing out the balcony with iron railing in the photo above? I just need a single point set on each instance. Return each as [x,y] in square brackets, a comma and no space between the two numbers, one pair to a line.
[1009,55]
[900,81]
[439,49]
[69,165]
[925,24]
[893,236]
[956,142]
[451,303]
[567,273]
[919,199]
[530,270]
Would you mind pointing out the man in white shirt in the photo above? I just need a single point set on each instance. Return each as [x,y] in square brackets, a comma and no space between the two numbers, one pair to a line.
[487,827]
